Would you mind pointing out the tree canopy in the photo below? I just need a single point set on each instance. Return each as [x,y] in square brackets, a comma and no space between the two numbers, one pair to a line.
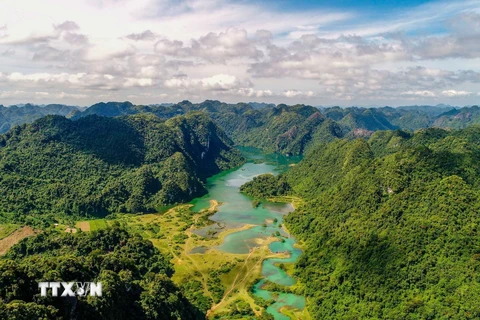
[135,278]
[391,225]
[98,165]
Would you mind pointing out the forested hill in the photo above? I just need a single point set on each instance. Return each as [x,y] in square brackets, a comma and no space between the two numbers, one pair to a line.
[135,276]
[284,129]
[296,129]
[391,225]
[17,115]
[280,128]
[99,165]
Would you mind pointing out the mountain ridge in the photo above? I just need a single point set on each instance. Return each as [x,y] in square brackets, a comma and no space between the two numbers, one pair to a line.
[389,224]
[98,165]
[271,127]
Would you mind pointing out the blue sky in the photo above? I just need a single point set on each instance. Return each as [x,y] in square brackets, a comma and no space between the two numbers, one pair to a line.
[380,6]
[366,53]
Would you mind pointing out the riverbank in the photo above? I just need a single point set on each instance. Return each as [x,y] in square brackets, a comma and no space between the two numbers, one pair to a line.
[220,245]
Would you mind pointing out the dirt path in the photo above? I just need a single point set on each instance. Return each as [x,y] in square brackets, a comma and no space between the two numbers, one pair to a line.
[14,238]
[214,204]
[205,285]
[250,271]
[234,283]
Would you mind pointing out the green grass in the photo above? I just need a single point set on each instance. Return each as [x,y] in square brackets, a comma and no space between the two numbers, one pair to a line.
[98,224]
[7,229]
[169,233]
[296,314]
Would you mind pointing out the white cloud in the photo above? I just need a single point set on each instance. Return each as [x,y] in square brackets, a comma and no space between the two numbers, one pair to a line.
[215,47]
[73,81]
[250,92]
[142,82]
[3,31]
[298,94]
[220,84]
[455,93]
[67,26]
[191,49]
[116,48]
[146,35]
[40,95]
[46,77]
[424,93]
[216,82]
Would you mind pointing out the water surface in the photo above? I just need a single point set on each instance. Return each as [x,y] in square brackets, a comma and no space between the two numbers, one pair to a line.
[237,210]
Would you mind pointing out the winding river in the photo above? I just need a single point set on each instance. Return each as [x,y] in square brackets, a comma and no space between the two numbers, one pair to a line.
[237,210]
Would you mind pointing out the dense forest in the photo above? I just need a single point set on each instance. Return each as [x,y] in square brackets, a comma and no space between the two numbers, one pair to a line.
[135,278]
[391,225]
[97,165]
[296,129]
[284,129]
[276,128]
[17,115]
[389,217]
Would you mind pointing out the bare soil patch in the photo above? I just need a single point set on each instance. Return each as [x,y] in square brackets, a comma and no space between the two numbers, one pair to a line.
[84,225]
[71,230]
[14,238]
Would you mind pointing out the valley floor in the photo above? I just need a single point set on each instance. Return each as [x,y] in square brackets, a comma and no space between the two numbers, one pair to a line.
[224,279]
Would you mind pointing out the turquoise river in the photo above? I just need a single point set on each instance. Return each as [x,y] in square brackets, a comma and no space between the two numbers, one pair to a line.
[237,210]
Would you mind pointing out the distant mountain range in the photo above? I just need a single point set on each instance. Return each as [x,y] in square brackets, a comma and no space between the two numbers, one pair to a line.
[27,113]
[279,128]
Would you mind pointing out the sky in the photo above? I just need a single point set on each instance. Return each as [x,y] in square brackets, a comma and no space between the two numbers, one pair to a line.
[332,52]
